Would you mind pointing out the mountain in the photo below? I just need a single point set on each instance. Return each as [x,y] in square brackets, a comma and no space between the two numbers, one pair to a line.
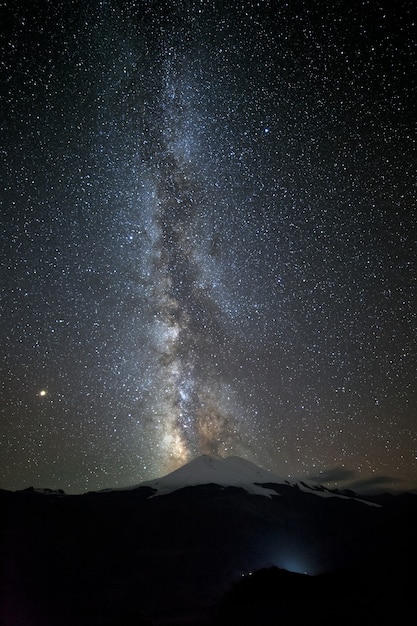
[234,471]
[231,471]
[180,549]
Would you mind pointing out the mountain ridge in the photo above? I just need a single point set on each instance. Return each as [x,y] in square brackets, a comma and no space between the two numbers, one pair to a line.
[231,471]
[102,553]
[235,471]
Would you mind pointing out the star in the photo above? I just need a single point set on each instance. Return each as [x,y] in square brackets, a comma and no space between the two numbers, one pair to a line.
[208,240]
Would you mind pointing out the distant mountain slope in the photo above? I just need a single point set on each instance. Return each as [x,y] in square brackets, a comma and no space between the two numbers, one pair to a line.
[231,471]
[234,471]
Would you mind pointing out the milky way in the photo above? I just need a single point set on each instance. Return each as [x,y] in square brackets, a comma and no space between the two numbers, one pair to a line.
[208,240]
[190,410]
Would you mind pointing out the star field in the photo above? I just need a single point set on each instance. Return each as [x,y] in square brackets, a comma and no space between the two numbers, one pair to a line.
[208,240]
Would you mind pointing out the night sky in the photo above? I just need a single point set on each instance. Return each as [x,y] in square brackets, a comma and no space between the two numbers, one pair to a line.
[208,239]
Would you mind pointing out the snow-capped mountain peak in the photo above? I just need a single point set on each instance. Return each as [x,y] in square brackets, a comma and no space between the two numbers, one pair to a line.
[231,471]
[234,471]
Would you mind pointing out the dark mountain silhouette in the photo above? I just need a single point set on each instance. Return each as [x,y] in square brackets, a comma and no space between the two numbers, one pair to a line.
[135,557]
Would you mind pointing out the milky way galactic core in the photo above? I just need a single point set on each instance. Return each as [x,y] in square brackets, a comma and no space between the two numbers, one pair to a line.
[208,240]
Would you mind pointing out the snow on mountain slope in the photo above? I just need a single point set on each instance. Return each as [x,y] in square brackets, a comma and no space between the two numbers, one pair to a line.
[234,471]
[229,472]
[323,492]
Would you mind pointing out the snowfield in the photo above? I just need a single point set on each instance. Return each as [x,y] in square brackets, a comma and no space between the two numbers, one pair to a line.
[234,471]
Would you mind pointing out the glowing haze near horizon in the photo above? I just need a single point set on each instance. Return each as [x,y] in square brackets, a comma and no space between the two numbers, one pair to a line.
[208,240]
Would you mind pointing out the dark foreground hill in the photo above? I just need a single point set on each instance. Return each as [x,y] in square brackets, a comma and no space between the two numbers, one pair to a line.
[130,557]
